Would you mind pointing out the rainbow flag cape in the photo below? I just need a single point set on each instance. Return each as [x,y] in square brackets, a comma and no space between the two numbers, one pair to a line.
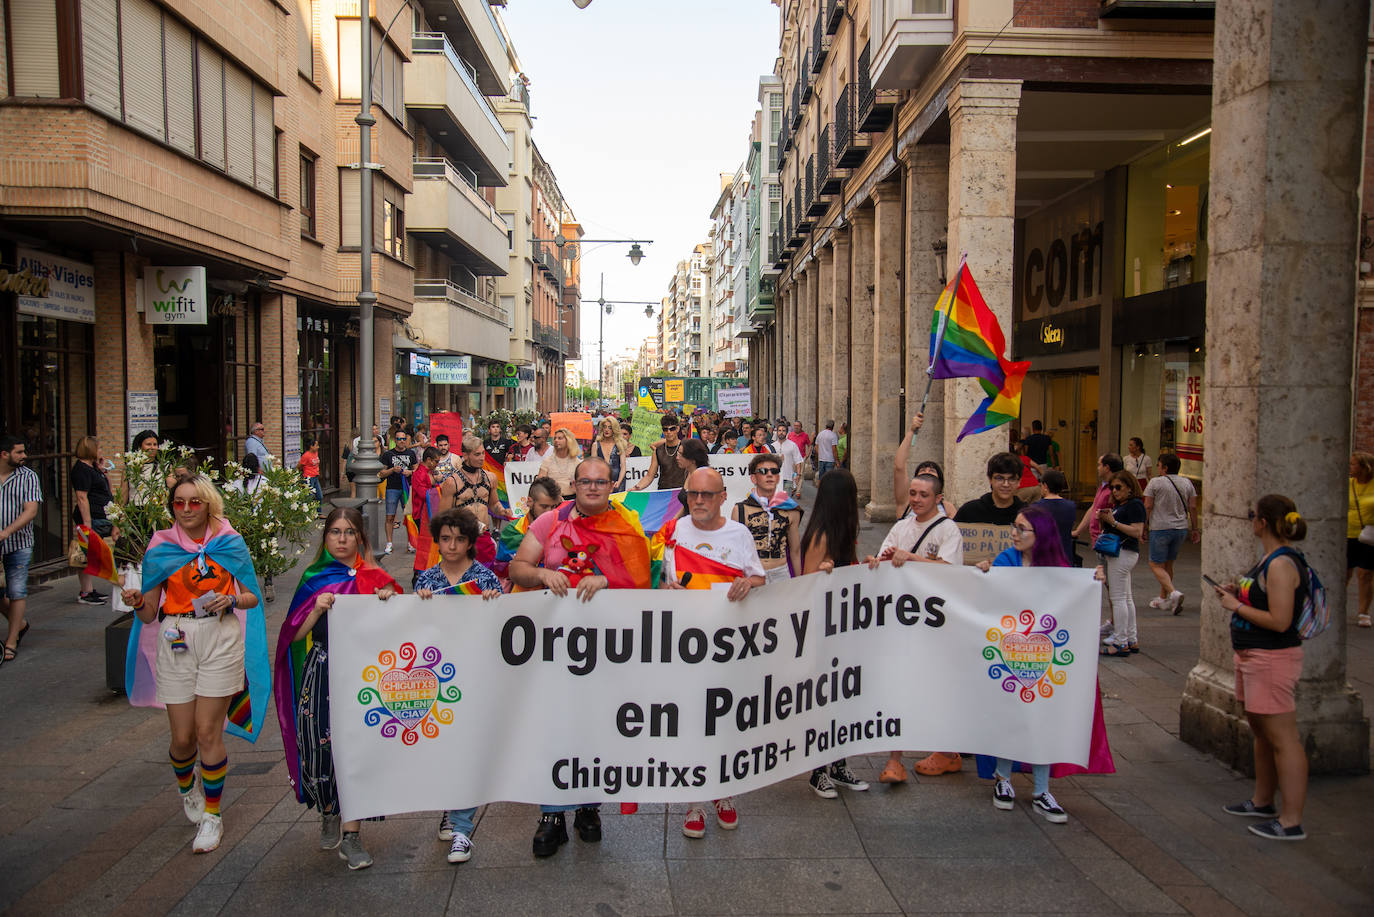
[99,557]
[966,342]
[417,530]
[324,575]
[497,470]
[655,507]
[623,553]
[705,571]
[168,552]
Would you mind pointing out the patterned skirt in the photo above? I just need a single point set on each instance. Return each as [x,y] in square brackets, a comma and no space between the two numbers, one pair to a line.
[312,734]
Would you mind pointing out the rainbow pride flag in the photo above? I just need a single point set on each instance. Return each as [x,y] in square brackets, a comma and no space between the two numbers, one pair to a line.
[966,341]
[655,507]
[497,470]
[99,557]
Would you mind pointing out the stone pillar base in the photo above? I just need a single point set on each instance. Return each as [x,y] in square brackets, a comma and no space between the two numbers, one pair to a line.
[881,512]
[1331,721]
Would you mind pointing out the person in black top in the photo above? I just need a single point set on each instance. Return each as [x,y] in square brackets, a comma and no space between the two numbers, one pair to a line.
[1264,606]
[92,494]
[663,458]
[1063,510]
[1038,444]
[1125,519]
[398,464]
[497,446]
[999,506]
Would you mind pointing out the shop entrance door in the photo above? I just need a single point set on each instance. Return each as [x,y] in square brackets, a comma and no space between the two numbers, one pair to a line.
[1067,404]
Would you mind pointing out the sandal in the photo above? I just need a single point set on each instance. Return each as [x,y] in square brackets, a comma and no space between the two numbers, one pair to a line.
[937,763]
[1111,649]
[894,772]
[22,631]
[10,653]
[1362,621]
[1134,648]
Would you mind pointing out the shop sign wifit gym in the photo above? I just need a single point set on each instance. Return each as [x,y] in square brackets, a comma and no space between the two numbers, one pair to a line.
[175,296]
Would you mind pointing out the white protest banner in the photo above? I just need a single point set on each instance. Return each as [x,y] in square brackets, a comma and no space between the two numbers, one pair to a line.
[733,468]
[682,696]
[735,402]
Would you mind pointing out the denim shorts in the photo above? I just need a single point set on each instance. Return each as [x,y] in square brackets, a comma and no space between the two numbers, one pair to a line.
[393,501]
[17,574]
[1164,544]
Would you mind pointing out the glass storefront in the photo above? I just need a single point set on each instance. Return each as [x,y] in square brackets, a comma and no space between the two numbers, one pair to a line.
[1166,216]
[317,338]
[1161,400]
[1066,402]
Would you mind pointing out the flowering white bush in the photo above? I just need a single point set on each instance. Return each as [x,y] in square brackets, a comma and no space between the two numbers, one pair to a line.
[276,519]
[144,511]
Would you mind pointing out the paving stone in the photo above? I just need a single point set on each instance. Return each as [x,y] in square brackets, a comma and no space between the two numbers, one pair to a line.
[765,837]
[598,889]
[793,886]
[418,894]
[503,842]
[1124,884]
[980,884]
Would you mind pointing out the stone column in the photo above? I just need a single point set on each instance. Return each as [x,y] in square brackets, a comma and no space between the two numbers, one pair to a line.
[787,357]
[1283,233]
[861,352]
[803,336]
[885,369]
[982,199]
[825,325]
[807,342]
[839,326]
[927,195]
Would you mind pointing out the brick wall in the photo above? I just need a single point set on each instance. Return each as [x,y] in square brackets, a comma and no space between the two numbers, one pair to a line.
[1056,14]
[1364,380]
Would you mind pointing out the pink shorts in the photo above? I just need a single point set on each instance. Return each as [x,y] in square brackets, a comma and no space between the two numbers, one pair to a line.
[1265,679]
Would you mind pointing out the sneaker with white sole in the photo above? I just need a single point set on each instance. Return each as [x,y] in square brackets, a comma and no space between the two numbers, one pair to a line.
[410,549]
[461,851]
[1158,602]
[387,550]
[193,803]
[92,598]
[1273,831]
[820,783]
[694,824]
[330,830]
[209,835]
[351,851]
[1248,809]
[841,775]
[1175,601]
[445,828]
[726,816]
[1003,796]
[1046,805]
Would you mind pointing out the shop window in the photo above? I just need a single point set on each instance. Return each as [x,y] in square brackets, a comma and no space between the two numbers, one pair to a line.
[316,336]
[1166,216]
[307,205]
[1161,399]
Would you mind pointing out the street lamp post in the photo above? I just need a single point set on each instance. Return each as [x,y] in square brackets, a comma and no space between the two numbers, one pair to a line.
[604,307]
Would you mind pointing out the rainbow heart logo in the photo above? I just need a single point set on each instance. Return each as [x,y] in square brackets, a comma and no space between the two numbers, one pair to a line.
[405,691]
[1027,658]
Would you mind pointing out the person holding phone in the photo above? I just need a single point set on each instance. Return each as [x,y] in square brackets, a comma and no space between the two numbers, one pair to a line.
[1264,606]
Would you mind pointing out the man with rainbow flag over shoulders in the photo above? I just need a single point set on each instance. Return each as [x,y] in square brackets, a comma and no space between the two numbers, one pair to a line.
[587,544]
[704,550]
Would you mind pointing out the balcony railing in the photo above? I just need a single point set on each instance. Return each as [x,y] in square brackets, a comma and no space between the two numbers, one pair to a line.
[826,181]
[875,105]
[834,15]
[820,43]
[463,180]
[806,78]
[445,289]
[810,180]
[849,150]
[803,220]
[437,43]
[797,110]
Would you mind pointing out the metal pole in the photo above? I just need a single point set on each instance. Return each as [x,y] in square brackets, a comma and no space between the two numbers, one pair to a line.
[601,339]
[366,464]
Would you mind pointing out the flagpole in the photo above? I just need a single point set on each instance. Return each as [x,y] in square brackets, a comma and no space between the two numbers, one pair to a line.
[940,338]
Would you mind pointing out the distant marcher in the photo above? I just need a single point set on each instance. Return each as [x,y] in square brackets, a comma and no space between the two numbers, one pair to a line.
[1063,510]
[1126,519]
[1137,462]
[398,464]
[309,467]
[91,487]
[1264,605]
[146,491]
[1171,503]
[663,458]
[1038,444]
[729,440]
[254,445]
[497,446]
[791,455]
[826,441]
[842,449]
[20,494]
[562,465]
[1359,555]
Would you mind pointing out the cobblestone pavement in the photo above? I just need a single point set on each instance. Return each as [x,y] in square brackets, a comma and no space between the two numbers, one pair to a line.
[89,822]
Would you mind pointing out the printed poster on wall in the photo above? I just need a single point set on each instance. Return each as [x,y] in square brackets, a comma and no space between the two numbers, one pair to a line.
[682,696]
[141,410]
[291,431]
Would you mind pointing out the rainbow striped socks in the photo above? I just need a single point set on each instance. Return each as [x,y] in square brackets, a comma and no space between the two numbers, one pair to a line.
[185,771]
[212,779]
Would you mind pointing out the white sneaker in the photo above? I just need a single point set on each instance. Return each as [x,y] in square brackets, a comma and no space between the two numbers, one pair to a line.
[208,837]
[1158,602]
[193,803]
[461,851]
[388,548]
[410,549]
[1175,601]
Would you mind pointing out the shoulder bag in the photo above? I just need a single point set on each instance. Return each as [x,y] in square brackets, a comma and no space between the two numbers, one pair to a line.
[1366,530]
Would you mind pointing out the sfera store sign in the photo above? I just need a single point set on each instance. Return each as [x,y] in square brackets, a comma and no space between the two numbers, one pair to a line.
[175,296]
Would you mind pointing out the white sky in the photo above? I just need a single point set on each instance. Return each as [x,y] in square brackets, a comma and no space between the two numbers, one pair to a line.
[639,106]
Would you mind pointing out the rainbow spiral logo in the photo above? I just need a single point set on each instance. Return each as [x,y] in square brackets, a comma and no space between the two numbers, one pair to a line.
[408,696]
[1025,657]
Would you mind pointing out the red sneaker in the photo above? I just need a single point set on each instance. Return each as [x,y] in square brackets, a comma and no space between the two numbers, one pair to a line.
[694,825]
[726,816]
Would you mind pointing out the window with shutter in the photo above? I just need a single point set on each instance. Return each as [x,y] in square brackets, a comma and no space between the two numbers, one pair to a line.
[210,67]
[264,142]
[33,45]
[181,80]
[350,70]
[141,39]
[100,58]
[305,38]
[349,217]
[307,192]
[238,122]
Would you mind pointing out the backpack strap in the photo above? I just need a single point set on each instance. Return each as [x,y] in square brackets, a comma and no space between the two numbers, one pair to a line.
[930,528]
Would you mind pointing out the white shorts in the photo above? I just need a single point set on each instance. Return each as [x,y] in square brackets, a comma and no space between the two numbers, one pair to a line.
[210,666]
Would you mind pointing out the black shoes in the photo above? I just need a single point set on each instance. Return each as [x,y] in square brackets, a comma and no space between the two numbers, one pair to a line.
[551,834]
[587,822]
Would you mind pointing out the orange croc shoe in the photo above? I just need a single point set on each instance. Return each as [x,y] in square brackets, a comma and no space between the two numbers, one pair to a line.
[893,773]
[939,762]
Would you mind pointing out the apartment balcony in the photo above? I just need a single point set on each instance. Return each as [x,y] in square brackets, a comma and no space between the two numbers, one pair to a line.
[546,260]
[820,43]
[850,147]
[806,78]
[451,319]
[875,105]
[803,219]
[447,211]
[441,93]
[828,179]
[910,36]
[797,110]
[471,27]
[547,336]
[834,15]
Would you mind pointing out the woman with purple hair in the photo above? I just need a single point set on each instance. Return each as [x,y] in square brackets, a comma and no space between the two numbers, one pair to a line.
[1035,542]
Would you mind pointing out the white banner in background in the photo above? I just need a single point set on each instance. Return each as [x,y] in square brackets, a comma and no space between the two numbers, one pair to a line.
[733,468]
[681,696]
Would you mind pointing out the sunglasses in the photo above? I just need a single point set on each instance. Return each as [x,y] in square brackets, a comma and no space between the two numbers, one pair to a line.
[1120,487]
[193,503]
[702,494]
[769,471]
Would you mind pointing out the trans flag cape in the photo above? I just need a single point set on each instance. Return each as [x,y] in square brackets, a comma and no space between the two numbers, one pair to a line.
[622,553]
[966,341]
[325,575]
[168,551]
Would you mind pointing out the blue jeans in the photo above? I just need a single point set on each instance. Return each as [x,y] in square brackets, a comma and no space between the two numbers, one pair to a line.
[461,820]
[822,468]
[1164,544]
[393,501]
[17,574]
[544,810]
[1041,773]
[315,486]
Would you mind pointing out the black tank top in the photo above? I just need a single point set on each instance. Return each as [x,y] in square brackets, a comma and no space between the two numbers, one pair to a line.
[1246,635]
[670,476]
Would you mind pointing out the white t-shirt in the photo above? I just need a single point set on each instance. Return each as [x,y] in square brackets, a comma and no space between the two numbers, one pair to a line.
[789,452]
[826,441]
[731,544]
[945,539]
[535,454]
[1138,465]
[1169,506]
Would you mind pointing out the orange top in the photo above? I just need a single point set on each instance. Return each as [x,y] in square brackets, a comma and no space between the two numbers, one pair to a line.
[188,584]
[310,465]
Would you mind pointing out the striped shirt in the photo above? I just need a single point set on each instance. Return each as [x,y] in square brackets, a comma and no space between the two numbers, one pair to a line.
[19,488]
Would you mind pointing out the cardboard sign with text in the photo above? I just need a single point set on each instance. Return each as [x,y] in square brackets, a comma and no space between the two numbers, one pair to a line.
[984,542]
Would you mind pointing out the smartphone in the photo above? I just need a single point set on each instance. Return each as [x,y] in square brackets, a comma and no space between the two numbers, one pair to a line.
[686,578]
[1211,582]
